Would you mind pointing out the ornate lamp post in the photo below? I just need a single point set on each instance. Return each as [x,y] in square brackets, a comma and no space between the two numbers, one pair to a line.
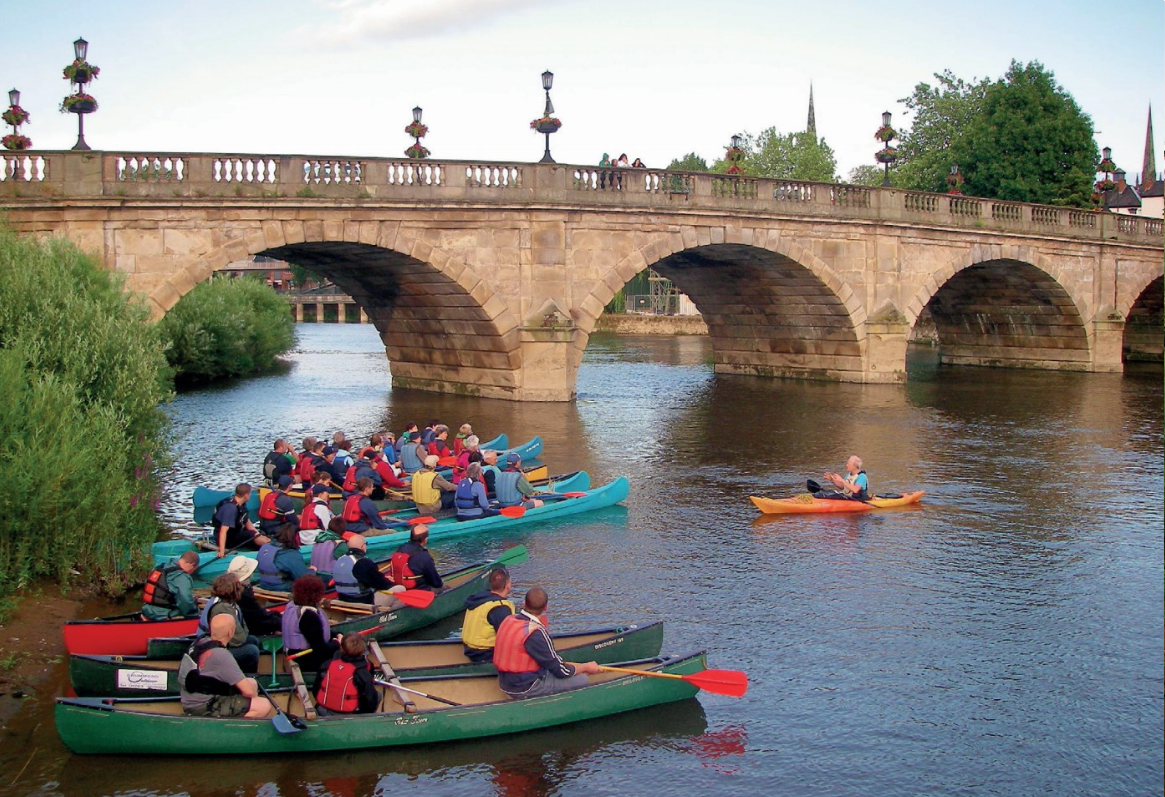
[887,154]
[417,131]
[78,74]
[16,116]
[955,181]
[1106,184]
[734,153]
[546,123]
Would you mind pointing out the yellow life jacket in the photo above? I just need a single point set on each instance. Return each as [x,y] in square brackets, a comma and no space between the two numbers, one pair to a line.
[476,632]
[424,493]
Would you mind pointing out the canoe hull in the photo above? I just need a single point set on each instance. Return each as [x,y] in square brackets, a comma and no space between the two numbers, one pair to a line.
[381,545]
[120,635]
[808,506]
[97,726]
[145,676]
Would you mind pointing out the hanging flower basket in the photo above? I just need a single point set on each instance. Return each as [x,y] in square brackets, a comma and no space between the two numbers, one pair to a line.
[15,116]
[546,124]
[1105,185]
[954,183]
[733,154]
[887,155]
[417,130]
[81,72]
[885,133]
[16,142]
[417,152]
[79,103]
[734,169]
[1106,165]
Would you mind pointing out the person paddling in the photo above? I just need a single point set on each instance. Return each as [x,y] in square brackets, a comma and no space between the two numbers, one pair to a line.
[855,485]
[279,462]
[360,513]
[513,489]
[169,590]
[277,508]
[431,492]
[412,566]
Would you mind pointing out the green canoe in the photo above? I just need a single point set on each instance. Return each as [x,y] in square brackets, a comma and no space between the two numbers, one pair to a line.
[159,727]
[459,585]
[143,676]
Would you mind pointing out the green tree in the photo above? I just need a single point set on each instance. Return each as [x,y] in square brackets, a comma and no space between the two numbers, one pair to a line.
[689,163]
[788,156]
[941,114]
[1030,143]
[302,275]
[871,174]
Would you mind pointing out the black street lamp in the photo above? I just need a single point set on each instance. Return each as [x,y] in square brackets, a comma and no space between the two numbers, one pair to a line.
[79,73]
[13,97]
[547,124]
[887,154]
[417,130]
[80,49]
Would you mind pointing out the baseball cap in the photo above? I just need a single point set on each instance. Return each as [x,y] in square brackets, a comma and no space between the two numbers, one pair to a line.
[285,481]
[319,489]
[242,567]
[512,458]
[329,450]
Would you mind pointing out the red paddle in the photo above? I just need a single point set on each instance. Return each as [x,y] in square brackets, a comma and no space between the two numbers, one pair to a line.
[733,683]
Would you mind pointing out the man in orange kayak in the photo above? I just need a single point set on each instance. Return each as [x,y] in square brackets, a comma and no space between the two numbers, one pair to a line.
[854,485]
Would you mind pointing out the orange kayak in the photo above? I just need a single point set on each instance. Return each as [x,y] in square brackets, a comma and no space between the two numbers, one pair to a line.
[807,504]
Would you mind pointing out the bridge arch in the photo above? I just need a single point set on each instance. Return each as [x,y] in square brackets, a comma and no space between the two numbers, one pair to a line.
[444,328]
[1006,309]
[772,307]
[1143,337]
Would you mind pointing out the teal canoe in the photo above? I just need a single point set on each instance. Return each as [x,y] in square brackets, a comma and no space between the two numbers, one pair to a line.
[150,676]
[158,726]
[381,545]
[204,498]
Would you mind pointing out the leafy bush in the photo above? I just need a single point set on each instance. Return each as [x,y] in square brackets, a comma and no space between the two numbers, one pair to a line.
[82,375]
[227,327]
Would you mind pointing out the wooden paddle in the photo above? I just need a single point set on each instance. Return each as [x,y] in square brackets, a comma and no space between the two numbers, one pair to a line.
[416,692]
[416,598]
[733,683]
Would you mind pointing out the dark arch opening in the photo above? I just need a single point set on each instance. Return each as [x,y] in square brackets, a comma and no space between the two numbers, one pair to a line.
[767,315]
[436,334]
[1144,338]
[1010,314]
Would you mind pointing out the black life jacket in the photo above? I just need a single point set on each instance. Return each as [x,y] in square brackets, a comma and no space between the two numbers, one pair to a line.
[157,589]
[196,682]
[240,516]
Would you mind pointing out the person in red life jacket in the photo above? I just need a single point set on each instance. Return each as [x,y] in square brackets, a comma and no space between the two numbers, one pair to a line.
[359,580]
[484,613]
[365,468]
[323,477]
[459,442]
[280,561]
[360,513]
[524,655]
[511,485]
[375,443]
[469,447]
[439,445]
[169,590]
[280,461]
[388,477]
[316,515]
[210,681]
[277,508]
[259,619]
[412,566]
[232,527]
[345,684]
[305,625]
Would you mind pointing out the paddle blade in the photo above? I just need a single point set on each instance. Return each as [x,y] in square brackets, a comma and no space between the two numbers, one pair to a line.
[812,486]
[417,598]
[733,683]
[575,494]
[423,519]
[512,511]
[513,556]
[446,462]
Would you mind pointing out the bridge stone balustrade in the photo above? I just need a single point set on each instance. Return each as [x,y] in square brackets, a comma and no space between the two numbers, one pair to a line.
[487,278]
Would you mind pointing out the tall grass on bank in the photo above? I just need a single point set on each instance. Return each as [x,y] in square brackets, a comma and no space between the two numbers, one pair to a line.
[227,327]
[82,378]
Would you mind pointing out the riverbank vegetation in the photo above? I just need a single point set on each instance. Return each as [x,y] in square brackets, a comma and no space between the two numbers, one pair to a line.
[227,327]
[82,374]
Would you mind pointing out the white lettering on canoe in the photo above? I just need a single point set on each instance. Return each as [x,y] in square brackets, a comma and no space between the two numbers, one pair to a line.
[410,720]
[141,679]
[609,642]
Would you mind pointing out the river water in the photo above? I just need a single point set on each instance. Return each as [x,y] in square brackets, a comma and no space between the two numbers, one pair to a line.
[1004,638]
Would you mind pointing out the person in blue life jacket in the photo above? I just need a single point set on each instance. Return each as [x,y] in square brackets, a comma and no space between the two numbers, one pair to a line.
[359,580]
[471,499]
[280,562]
[306,626]
[233,528]
[169,590]
[412,454]
[225,593]
[854,486]
[277,508]
[512,487]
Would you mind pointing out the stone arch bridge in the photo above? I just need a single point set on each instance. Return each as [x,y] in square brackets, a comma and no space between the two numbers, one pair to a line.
[487,278]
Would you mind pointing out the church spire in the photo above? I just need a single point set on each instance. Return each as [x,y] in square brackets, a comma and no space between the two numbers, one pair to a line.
[811,125]
[1149,167]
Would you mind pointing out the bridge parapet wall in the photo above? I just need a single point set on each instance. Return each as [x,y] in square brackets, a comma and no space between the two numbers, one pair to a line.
[114,175]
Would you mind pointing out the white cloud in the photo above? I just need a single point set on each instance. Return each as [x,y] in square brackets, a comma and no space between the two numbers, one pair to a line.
[380,20]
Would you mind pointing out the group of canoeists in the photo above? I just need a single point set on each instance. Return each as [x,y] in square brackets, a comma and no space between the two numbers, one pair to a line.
[216,674]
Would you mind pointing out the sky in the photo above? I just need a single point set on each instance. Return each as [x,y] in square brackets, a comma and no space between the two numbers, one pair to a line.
[652,78]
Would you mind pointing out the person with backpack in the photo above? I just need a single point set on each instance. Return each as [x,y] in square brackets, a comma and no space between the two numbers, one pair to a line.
[345,684]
